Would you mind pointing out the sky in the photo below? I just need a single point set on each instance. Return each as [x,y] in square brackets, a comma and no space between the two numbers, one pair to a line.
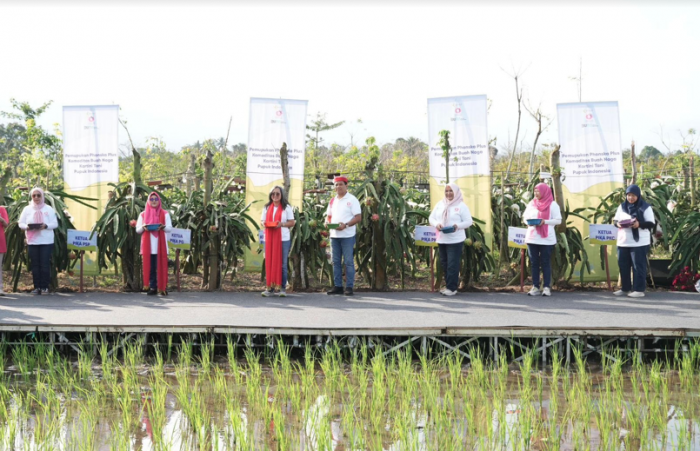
[180,72]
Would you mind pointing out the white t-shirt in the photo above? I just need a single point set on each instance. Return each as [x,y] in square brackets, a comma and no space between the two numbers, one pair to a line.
[154,242]
[44,236]
[458,214]
[532,236]
[343,210]
[287,215]
[625,237]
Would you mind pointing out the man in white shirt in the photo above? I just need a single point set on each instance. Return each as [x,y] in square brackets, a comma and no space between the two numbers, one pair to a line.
[344,210]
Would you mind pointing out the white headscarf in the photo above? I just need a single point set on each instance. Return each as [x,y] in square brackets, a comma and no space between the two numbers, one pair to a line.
[456,200]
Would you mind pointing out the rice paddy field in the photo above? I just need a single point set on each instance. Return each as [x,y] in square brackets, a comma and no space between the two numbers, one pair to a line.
[186,397]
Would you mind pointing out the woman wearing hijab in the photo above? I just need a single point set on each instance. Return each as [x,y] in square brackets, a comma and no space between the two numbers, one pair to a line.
[541,238]
[154,246]
[451,217]
[39,220]
[4,221]
[280,216]
[633,241]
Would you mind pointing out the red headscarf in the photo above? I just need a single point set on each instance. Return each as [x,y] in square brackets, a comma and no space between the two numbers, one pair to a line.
[542,204]
[38,214]
[155,215]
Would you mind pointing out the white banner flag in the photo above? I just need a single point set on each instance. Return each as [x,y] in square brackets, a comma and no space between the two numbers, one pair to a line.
[90,145]
[465,118]
[271,123]
[591,150]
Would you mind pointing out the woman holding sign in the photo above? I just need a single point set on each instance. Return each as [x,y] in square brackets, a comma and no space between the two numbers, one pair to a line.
[39,220]
[4,221]
[155,222]
[541,215]
[277,217]
[635,220]
[451,217]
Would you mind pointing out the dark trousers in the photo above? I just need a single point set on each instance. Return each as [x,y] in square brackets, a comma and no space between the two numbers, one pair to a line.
[450,258]
[541,256]
[153,283]
[40,256]
[634,258]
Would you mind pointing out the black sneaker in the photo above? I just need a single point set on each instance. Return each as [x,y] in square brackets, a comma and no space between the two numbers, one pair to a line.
[36,291]
[348,292]
[152,292]
[335,290]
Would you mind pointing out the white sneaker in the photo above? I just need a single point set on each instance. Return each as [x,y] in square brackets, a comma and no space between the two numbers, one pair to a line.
[534,292]
[620,293]
[282,294]
[636,294]
[547,291]
[267,293]
[46,291]
[448,292]
[443,291]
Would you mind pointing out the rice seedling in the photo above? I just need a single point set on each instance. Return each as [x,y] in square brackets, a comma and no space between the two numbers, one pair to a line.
[363,400]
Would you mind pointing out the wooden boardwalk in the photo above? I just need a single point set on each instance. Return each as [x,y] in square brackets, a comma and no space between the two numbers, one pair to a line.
[367,313]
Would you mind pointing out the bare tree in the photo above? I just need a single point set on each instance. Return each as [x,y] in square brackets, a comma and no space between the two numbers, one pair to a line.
[515,75]
[539,117]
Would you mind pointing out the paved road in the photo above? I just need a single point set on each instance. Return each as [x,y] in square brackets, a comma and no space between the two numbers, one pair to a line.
[661,310]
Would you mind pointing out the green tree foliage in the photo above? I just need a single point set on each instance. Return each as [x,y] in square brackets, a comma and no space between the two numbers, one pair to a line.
[36,154]
[649,153]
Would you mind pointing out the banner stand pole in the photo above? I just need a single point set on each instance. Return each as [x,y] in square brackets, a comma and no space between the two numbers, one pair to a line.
[82,265]
[522,270]
[177,268]
[607,267]
[432,270]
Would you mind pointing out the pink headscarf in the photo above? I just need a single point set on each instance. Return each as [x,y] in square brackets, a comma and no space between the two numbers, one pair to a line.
[152,214]
[38,215]
[456,200]
[542,204]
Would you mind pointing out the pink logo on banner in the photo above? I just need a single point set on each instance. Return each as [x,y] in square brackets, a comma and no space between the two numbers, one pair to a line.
[589,116]
[458,110]
[91,119]
[279,113]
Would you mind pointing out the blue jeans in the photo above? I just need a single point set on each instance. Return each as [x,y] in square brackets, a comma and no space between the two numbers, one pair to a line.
[634,258]
[40,256]
[450,259]
[541,255]
[343,248]
[286,245]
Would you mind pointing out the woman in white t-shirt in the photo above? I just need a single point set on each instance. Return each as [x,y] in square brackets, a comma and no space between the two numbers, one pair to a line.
[633,241]
[38,220]
[451,217]
[541,238]
[277,218]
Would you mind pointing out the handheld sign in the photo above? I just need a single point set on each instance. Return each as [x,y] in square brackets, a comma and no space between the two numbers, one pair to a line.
[79,240]
[180,239]
[425,236]
[516,237]
[602,234]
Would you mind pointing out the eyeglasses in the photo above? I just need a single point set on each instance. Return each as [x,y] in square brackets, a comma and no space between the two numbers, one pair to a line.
[154,199]
[36,195]
[276,194]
